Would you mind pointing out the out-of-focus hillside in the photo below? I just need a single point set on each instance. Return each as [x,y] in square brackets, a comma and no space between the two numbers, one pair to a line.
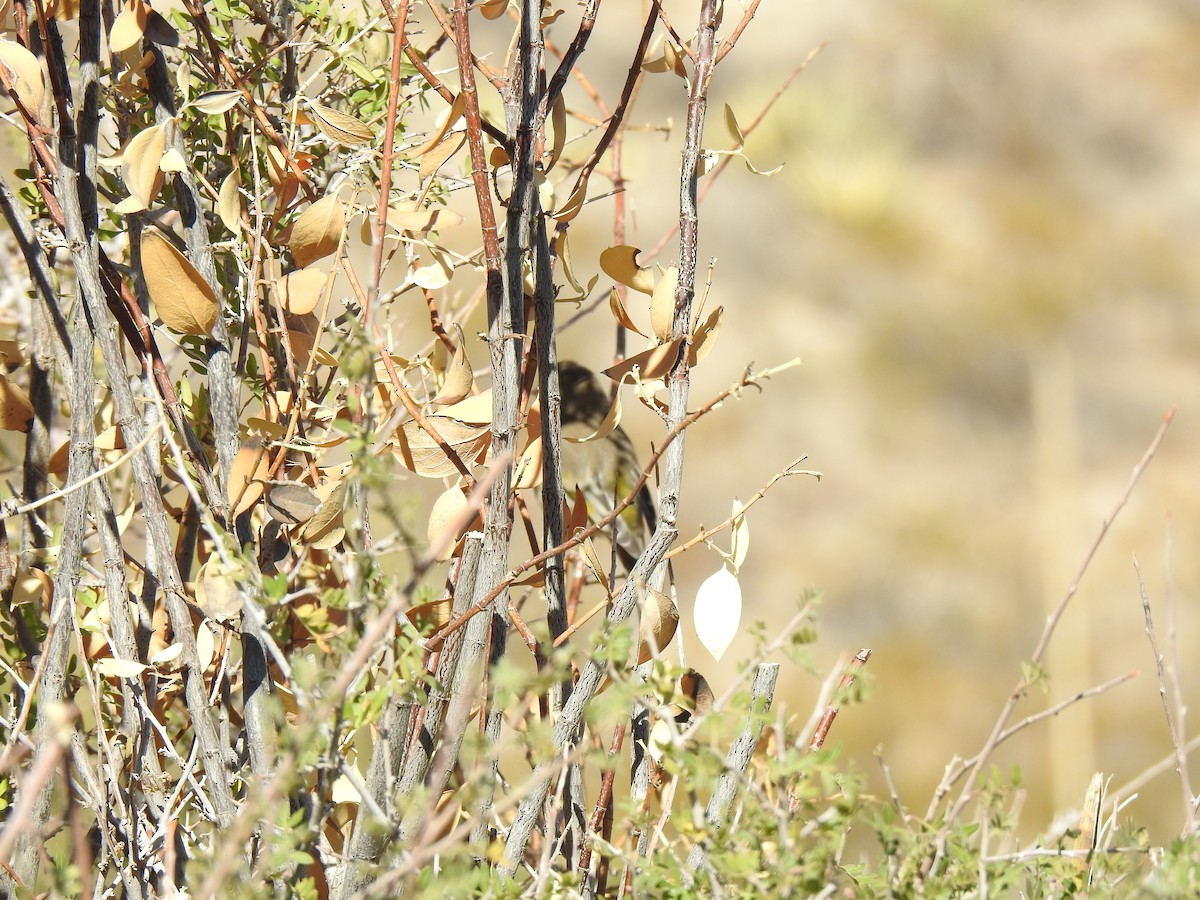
[983,245]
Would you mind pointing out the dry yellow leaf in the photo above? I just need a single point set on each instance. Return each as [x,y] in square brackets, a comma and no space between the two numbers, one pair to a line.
[247,476]
[705,336]
[419,453]
[493,9]
[218,590]
[662,304]
[16,412]
[429,617]
[340,127]
[31,588]
[229,202]
[318,231]
[620,264]
[327,520]
[140,165]
[213,103]
[26,74]
[475,410]
[64,10]
[185,301]
[172,161]
[446,521]
[128,27]
[303,348]
[111,438]
[437,157]
[558,123]
[459,377]
[653,363]
[301,291]
[570,209]
[735,130]
[657,625]
[445,123]
[620,313]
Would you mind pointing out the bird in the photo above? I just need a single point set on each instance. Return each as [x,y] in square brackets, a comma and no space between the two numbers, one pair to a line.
[605,469]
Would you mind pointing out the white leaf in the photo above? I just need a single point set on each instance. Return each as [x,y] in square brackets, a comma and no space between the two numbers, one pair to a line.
[718,611]
[111,667]
[166,654]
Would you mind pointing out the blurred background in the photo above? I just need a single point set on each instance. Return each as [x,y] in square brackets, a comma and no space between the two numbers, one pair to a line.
[983,245]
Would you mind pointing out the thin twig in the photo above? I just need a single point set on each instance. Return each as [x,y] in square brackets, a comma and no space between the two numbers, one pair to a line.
[1181,764]
[1014,697]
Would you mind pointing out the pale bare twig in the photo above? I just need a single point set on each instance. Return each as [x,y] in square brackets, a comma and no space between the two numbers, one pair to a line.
[1181,760]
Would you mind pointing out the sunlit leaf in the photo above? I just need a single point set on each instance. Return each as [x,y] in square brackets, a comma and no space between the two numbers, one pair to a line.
[740,537]
[437,156]
[184,300]
[662,304]
[247,476]
[419,453]
[218,589]
[341,128]
[206,645]
[168,654]
[459,377]
[128,27]
[662,738]
[318,231]
[610,421]
[26,74]
[718,611]
[620,264]
[620,313]
[734,129]
[705,336]
[229,202]
[111,667]
[213,103]
[446,121]
[325,529]
[649,364]
[558,124]
[172,161]
[435,275]
[448,520]
[573,204]
[657,624]
[16,412]
[300,291]
[140,164]
[291,503]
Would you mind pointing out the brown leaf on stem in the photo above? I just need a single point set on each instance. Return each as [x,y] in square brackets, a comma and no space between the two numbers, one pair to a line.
[420,454]
[318,231]
[184,300]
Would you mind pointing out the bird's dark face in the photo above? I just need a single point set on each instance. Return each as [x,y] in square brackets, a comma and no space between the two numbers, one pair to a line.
[584,398]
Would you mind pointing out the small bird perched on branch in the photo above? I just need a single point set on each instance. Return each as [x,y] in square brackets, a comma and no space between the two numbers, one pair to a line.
[605,469]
